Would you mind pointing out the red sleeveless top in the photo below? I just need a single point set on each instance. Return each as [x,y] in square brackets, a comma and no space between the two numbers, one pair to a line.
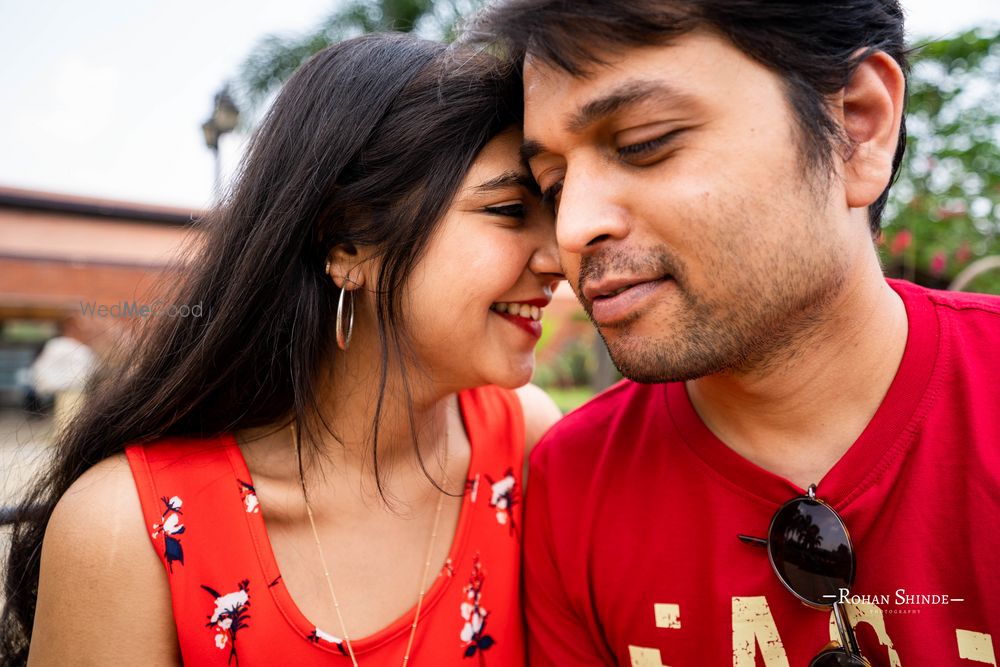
[231,607]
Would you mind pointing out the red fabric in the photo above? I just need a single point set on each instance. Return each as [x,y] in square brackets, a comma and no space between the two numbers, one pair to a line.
[631,554]
[223,575]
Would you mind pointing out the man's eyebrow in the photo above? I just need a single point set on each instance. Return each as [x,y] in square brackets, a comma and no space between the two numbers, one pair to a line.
[530,148]
[507,179]
[629,92]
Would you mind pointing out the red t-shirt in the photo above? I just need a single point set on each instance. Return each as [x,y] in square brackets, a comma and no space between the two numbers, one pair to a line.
[231,606]
[631,554]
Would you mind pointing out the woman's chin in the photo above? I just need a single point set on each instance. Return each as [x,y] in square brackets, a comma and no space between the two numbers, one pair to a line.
[508,371]
[514,378]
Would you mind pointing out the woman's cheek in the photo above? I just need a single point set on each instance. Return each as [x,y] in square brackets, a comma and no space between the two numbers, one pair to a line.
[483,254]
[503,259]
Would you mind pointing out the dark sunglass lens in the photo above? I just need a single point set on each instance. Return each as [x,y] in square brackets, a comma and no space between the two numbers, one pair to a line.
[838,658]
[811,551]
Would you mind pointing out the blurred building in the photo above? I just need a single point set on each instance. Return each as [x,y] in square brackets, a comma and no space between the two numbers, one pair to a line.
[63,257]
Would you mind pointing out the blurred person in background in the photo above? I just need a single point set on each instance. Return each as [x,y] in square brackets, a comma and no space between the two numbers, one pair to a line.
[61,370]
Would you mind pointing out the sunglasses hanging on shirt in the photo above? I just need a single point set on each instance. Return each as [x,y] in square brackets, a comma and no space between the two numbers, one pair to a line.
[812,555]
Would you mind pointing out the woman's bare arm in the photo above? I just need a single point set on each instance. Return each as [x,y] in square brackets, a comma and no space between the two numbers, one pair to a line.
[103,596]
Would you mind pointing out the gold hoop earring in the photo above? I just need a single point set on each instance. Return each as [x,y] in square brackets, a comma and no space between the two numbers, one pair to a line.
[327,269]
[344,340]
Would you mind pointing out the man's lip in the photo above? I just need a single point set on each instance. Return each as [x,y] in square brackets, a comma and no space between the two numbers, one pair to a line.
[612,310]
[606,287]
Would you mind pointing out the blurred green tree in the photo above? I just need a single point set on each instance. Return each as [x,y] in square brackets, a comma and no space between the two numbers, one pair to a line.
[275,57]
[944,211]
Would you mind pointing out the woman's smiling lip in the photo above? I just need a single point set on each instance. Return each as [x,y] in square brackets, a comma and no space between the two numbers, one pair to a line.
[531,326]
[608,305]
[528,325]
[541,302]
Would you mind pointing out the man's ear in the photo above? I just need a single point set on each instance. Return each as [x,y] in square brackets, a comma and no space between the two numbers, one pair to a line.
[871,105]
[348,265]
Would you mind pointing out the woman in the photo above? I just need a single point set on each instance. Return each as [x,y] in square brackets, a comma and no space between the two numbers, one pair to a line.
[326,466]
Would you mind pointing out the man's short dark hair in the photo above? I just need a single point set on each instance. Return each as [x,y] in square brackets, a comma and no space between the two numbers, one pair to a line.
[813,45]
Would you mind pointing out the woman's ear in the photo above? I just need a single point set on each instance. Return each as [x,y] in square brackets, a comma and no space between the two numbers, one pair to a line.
[871,108]
[348,266]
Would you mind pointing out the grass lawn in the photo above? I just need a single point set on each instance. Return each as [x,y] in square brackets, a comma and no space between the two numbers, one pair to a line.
[569,398]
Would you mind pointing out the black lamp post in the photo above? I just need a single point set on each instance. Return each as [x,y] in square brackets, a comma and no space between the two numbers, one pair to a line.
[224,118]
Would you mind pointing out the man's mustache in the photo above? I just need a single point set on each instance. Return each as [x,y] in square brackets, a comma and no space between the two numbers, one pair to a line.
[642,263]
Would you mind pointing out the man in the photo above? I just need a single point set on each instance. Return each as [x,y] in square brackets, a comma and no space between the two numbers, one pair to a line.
[719,170]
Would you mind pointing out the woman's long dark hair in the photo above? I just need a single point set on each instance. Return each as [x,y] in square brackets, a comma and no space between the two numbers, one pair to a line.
[366,145]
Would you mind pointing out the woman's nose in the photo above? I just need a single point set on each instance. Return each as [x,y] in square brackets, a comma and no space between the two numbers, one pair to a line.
[545,260]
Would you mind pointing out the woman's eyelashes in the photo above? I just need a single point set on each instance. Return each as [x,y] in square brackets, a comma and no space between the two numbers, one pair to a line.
[507,210]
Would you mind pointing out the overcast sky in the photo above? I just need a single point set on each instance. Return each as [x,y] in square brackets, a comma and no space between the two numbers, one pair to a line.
[106,98]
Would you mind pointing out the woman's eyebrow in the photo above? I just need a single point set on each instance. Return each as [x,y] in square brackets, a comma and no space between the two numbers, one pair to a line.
[508,179]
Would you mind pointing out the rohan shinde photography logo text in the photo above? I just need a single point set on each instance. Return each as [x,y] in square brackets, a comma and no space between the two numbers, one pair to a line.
[900,598]
[154,308]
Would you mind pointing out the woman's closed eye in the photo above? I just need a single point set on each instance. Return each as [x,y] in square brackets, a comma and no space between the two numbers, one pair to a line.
[507,209]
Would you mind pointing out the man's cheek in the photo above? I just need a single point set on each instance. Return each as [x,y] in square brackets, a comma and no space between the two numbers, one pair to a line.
[570,264]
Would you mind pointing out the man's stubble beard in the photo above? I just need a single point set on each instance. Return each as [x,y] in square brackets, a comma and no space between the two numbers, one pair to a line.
[765,314]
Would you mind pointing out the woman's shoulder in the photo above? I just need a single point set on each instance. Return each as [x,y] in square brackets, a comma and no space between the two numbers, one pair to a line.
[101,505]
[100,577]
[540,413]
[527,412]
[181,451]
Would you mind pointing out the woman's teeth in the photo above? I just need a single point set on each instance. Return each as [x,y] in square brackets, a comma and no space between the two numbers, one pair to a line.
[519,309]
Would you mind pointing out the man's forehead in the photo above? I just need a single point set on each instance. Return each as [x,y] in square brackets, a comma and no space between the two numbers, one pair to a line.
[538,73]
[582,65]
[548,81]
[546,84]
[682,72]
[611,60]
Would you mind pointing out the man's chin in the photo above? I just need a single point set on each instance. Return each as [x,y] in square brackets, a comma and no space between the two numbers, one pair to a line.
[653,361]
[646,375]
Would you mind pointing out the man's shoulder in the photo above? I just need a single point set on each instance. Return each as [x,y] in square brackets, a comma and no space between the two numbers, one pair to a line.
[585,433]
[968,326]
[968,304]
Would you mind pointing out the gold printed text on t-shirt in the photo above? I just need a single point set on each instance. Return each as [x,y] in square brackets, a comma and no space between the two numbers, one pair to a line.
[754,629]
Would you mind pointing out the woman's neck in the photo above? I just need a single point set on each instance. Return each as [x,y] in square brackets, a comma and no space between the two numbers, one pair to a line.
[359,407]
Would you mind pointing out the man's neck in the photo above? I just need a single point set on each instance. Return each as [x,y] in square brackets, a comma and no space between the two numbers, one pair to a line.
[796,419]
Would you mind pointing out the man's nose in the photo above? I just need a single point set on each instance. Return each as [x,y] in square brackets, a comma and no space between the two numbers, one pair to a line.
[590,211]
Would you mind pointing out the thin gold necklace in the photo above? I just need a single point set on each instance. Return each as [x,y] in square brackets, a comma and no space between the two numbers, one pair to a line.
[326,570]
